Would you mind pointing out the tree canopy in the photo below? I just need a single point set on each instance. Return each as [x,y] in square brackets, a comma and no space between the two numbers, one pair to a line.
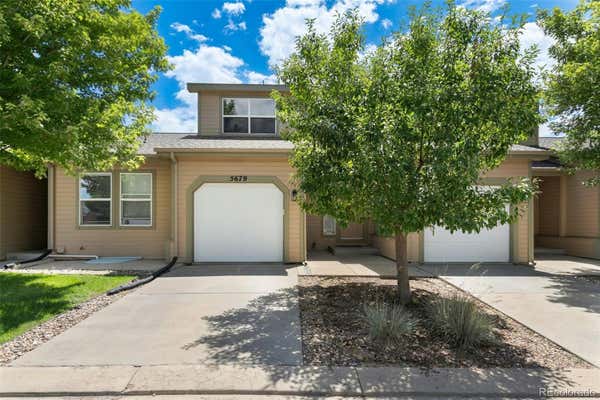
[572,95]
[401,135]
[75,79]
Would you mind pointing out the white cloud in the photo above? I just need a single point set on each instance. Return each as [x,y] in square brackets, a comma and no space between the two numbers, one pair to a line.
[189,32]
[280,29]
[233,26]
[257,77]
[216,14]
[531,35]
[205,64]
[236,8]
[483,5]
[386,23]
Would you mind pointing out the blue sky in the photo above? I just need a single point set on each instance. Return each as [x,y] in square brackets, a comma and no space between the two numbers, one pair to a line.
[232,41]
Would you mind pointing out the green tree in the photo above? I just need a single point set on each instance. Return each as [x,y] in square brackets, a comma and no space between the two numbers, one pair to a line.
[401,135]
[572,94]
[75,79]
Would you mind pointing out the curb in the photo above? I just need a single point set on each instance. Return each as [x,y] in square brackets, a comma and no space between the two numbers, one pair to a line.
[295,380]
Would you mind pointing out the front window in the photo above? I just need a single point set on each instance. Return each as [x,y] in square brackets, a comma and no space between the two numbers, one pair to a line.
[329,225]
[254,116]
[136,199]
[95,205]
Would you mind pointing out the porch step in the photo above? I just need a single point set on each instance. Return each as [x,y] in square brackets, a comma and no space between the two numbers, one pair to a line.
[356,250]
[547,250]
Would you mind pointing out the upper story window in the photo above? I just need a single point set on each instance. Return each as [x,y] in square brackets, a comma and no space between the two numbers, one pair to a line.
[253,116]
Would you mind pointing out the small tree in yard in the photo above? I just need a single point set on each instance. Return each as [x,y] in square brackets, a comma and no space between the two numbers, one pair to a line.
[573,84]
[401,135]
[75,79]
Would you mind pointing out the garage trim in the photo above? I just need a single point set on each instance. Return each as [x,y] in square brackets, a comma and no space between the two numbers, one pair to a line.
[513,228]
[201,180]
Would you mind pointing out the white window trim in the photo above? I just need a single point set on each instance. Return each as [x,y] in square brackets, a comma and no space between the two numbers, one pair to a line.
[249,116]
[109,199]
[325,233]
[121,199]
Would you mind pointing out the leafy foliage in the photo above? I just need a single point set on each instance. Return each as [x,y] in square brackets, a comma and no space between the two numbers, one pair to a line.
[573,85]
[75,79]
[460,321]
[401,135]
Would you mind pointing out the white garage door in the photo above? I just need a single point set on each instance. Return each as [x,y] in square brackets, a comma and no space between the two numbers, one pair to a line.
[238,222]
[491,245]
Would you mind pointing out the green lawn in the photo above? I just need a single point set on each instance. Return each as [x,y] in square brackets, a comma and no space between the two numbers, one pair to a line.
[27,300]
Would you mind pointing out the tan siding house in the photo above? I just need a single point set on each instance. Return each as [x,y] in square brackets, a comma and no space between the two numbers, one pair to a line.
[225,194]
[23,212]
[520,235]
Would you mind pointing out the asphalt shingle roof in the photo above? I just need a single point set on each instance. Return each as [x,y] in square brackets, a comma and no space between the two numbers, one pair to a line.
[549,142]
[192,142]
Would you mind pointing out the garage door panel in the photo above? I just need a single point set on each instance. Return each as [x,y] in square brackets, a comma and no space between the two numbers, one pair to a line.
[491,245]
[238,222]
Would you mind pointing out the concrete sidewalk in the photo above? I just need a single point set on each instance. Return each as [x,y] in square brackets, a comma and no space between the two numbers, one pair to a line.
[347,263]
[295,380]
[565,309]
[212,314]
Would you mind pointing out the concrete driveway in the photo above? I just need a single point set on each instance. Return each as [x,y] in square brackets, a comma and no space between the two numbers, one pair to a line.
[209,314]
[560,306]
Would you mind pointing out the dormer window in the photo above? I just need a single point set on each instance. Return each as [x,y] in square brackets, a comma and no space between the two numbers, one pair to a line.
[249,116]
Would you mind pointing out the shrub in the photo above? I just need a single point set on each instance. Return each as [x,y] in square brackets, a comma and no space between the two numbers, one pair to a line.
[460,321]
[387,322]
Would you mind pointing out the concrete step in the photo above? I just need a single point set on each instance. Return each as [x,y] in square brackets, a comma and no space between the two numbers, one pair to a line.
[356,250]
[546,250]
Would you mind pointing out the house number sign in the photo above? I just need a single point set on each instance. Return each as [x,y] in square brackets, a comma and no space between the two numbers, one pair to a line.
[238,178]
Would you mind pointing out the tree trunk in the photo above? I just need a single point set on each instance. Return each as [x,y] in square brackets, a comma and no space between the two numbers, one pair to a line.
[402,268]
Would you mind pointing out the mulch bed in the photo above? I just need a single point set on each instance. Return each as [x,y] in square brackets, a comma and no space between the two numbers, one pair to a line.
[334,332]
[35,337]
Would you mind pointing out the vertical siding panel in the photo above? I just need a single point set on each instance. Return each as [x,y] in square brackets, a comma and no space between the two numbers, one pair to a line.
[145,242]
[23,211]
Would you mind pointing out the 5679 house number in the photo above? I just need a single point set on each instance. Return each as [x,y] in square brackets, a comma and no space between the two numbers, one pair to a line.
[238,178]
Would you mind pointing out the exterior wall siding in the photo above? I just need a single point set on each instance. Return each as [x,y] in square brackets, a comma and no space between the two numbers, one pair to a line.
[315,239]
[209,109]
[192,167]
[150,242]
[511,167]
[549,206]
[23,211]
[582,207]
[580,235]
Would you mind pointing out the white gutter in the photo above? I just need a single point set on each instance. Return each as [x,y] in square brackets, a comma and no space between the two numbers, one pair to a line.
[174,213]
[51,177]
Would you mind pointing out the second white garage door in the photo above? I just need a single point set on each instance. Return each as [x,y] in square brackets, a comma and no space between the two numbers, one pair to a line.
[490,245]
[238,222]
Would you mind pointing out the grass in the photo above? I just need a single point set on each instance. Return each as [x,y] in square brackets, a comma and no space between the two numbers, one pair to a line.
[459,319]
[387,321]
[27,300]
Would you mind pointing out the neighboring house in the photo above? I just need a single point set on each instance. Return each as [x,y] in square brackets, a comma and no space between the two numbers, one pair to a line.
[23,212]
[226,194]
[567,213]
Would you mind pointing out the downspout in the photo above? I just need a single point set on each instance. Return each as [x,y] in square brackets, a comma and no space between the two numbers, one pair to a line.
[174,213]
[51,178]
